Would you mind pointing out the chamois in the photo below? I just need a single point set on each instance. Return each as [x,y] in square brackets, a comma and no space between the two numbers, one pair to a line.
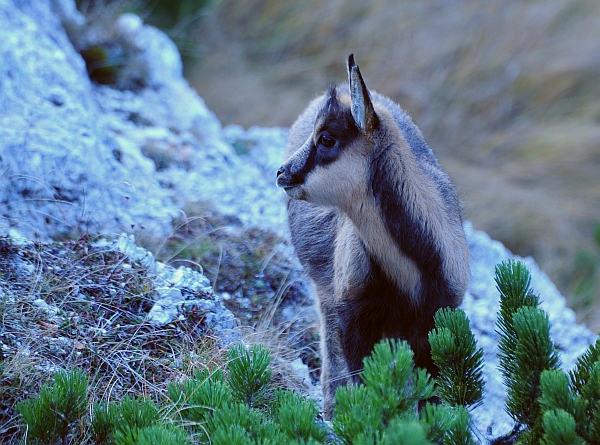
[376,224]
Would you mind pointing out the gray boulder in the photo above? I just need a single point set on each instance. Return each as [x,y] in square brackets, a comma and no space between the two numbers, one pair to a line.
[77,156]
[62,172]
[179,289]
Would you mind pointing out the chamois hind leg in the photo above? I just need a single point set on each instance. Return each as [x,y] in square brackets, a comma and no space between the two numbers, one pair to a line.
[334,370]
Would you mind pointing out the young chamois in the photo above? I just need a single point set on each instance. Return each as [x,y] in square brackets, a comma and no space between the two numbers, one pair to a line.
[376,224]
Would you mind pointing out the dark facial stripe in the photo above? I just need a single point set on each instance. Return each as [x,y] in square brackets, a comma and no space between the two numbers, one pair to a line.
[300,171]
[335,121]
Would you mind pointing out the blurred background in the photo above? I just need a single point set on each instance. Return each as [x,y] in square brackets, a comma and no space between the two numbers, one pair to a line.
[506,92]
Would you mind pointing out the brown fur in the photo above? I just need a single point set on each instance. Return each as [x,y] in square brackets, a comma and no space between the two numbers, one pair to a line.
[376,224]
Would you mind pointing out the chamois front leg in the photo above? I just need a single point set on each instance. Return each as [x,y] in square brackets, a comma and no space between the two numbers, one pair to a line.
[334,370]
[362,325]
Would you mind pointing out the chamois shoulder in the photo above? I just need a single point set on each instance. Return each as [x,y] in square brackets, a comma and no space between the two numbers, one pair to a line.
[410,132]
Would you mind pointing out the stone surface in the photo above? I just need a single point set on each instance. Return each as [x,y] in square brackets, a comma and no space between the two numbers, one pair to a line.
[76,156]
[179,290]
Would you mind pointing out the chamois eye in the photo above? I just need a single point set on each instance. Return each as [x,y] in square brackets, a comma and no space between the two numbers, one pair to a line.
[326,141]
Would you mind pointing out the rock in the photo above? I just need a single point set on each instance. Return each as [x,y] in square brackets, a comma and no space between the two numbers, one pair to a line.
[180,290]
[72,151]
[78,156]
[60,171]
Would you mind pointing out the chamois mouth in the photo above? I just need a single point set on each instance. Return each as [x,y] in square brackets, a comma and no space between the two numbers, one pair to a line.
[294,191]
[291,184]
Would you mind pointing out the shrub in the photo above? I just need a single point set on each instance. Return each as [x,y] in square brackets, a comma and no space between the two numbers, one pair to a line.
[53,414]
[241,406]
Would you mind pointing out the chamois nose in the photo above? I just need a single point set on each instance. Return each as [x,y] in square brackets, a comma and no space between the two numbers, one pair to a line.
[280,171]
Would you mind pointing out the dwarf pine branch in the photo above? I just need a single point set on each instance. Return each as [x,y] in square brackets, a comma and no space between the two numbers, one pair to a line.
[104,419]
[455,353]
[513,281]
[460,431]
[574,400]
[162,435]
[52,415]
[564,411]
[250,375]
[526,349]
[560,429]
[534,353]
[296,416]
[196,398]
[581,374]
[392,361]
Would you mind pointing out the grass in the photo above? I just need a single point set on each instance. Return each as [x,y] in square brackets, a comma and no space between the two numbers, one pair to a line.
[72,304]
[81,304]
[252,270]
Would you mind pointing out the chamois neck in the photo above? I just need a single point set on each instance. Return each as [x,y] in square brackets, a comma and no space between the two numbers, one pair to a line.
[396,188]
[379,215]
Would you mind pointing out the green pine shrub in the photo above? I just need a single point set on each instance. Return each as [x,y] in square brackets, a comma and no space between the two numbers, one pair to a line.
[396,404]
[383,410]
[513,282]
[226,423]
[571,402]
[132,415]
[526,349]
[404,431]
[559,429]
[104,419]
[162,435]
[54,413]
[460,431]
[296,416]
[250,375]
[534,354]
[196,398]
[438,421]
[455,353]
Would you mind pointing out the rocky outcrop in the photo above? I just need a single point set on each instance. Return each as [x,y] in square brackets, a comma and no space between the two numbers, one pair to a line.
[78,156]
[130,156]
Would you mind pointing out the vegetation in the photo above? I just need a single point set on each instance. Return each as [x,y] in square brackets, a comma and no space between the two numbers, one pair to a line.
[585,277]
[252,270]
[81,304]
[235,399]
[78,363]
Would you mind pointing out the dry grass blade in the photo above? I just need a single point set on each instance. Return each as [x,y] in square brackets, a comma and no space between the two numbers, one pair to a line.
[74,304]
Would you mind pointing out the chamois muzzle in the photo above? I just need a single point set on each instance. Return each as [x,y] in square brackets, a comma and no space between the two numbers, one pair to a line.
[286,179]
[290,182]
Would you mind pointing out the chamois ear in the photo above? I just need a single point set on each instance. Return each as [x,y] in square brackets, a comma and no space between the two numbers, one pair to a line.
[362,107]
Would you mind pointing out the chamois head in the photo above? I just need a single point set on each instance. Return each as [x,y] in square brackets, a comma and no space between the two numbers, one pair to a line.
[330,167]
